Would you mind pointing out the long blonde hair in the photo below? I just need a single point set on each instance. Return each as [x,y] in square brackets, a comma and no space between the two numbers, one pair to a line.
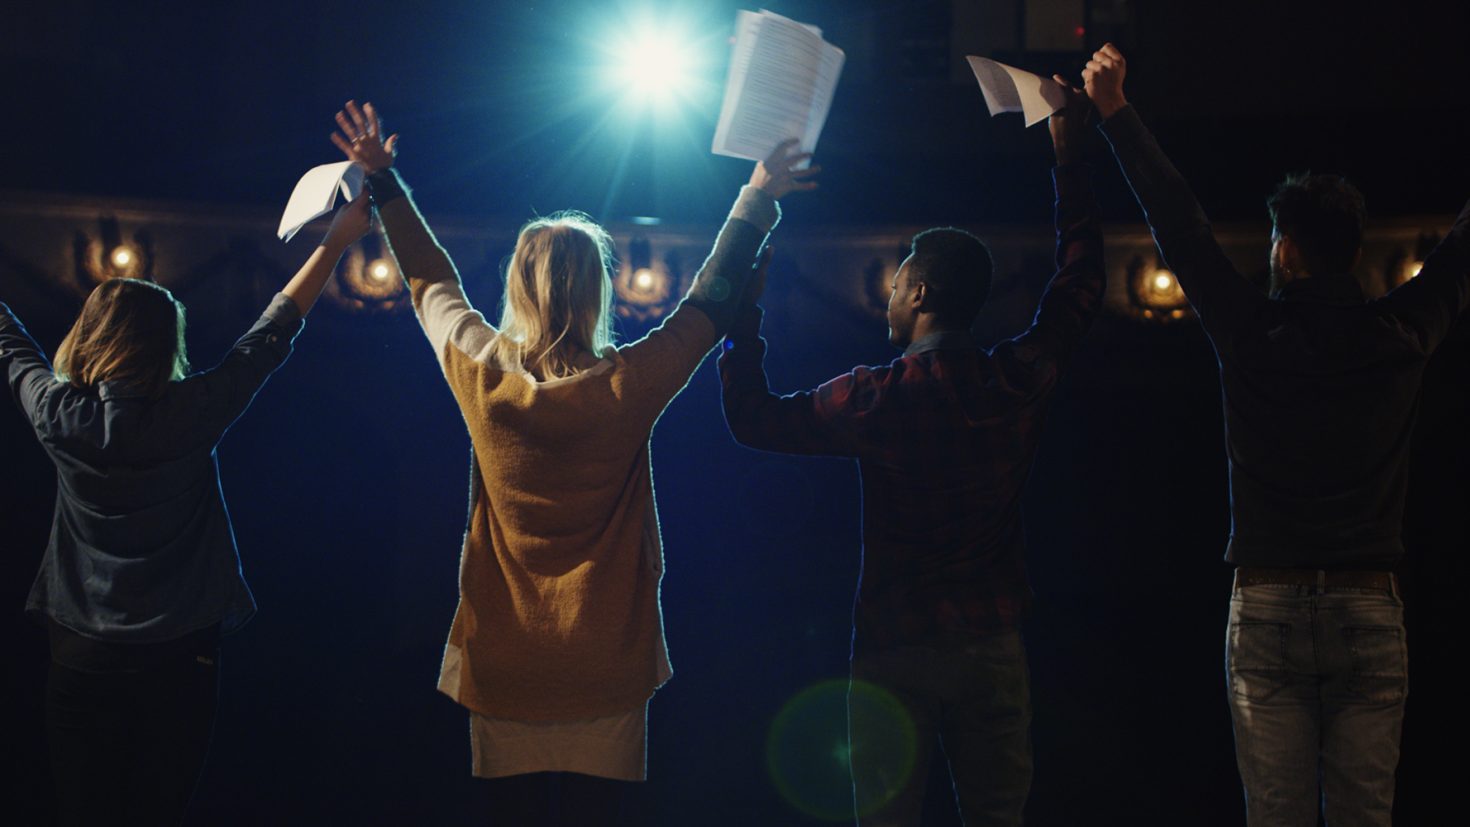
[128,331]
[558,296]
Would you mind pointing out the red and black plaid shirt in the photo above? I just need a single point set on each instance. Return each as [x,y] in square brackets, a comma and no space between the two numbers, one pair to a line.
[944,437]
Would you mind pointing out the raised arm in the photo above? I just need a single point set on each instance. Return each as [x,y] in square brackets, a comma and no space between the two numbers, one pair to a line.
[438,295]
[26,369]
[222,394]
[1430,303]
[809,422]
[350,223]
[710,307]
[1073,296]
[1217,291]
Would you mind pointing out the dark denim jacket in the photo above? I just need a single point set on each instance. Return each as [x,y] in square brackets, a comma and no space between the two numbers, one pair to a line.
[141,547]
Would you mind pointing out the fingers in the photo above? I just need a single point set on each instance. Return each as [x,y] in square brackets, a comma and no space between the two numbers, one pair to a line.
[797,159]
[1071,91]
[392,144]
[775,158]
[374,123]
[357,119]
[1111,51]
[342,144]
[808,172]
[347,127]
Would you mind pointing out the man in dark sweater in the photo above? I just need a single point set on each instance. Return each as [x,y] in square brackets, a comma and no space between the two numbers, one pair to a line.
[1320,389]
[944,439]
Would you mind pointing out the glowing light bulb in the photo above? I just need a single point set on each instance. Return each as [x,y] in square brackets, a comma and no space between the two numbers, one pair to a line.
[122,257]
[380,270]
[1162,281]
[643,279]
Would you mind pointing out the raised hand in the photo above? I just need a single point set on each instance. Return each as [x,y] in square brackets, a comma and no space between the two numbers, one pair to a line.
[777,176]
[1067,124]
[1103,79]
[361,138]
[352,221]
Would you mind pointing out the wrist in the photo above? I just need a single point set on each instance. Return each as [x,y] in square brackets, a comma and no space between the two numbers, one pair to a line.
[1065,151]
[1108,107]
[384,185]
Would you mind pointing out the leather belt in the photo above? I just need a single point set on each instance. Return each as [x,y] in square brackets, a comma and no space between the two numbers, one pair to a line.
[1253,576]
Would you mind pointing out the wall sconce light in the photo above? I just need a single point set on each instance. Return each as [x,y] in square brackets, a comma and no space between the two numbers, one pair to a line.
[1403,265]
[106,255]
[644,286]
[1154,292]
[367,284]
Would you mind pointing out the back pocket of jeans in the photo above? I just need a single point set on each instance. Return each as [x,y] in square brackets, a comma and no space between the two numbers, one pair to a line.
[1256,659]
[1378,662]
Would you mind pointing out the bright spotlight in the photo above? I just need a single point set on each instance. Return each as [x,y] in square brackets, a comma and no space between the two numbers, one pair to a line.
[122,257]
[1412,270]
[380,270]
[654,67]
[643,280]
[1162,281]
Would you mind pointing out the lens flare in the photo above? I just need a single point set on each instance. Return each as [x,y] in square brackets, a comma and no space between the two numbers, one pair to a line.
[807,751]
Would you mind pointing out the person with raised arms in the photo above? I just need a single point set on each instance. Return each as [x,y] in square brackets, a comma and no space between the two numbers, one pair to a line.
[141,576]
[945,437]
[1321,389]
[558,642]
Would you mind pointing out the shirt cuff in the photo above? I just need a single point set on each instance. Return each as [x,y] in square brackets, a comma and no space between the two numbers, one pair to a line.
[283,311]
[385,185]
[1123,121]
[757,207]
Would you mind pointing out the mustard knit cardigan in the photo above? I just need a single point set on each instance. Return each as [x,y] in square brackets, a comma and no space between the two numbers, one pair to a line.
[559,615]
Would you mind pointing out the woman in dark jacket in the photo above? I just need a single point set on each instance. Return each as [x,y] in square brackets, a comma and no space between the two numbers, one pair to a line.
[141,576]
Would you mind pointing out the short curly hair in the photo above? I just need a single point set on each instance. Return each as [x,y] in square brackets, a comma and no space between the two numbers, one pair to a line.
[956,267]
[1323,215]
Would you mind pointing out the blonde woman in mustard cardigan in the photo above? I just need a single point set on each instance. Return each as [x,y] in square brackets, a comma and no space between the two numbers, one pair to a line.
[558,643]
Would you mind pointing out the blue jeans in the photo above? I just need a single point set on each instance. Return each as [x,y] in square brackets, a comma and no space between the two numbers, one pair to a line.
[970,696]
[1317,678]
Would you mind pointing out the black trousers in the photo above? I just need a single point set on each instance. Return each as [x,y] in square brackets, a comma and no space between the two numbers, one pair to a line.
[127,746]
[555,799]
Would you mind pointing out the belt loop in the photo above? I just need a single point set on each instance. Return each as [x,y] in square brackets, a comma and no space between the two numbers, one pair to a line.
[1321,581]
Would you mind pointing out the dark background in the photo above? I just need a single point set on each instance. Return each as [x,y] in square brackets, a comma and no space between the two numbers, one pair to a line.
[346,480]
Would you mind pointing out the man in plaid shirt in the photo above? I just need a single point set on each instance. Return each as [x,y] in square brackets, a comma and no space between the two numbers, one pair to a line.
[944,437]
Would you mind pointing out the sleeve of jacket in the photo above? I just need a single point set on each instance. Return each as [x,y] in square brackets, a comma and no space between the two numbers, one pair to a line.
[1218,292]
[439,300]
[1074,295]
[1428,305]
[818,421]
[27,371]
